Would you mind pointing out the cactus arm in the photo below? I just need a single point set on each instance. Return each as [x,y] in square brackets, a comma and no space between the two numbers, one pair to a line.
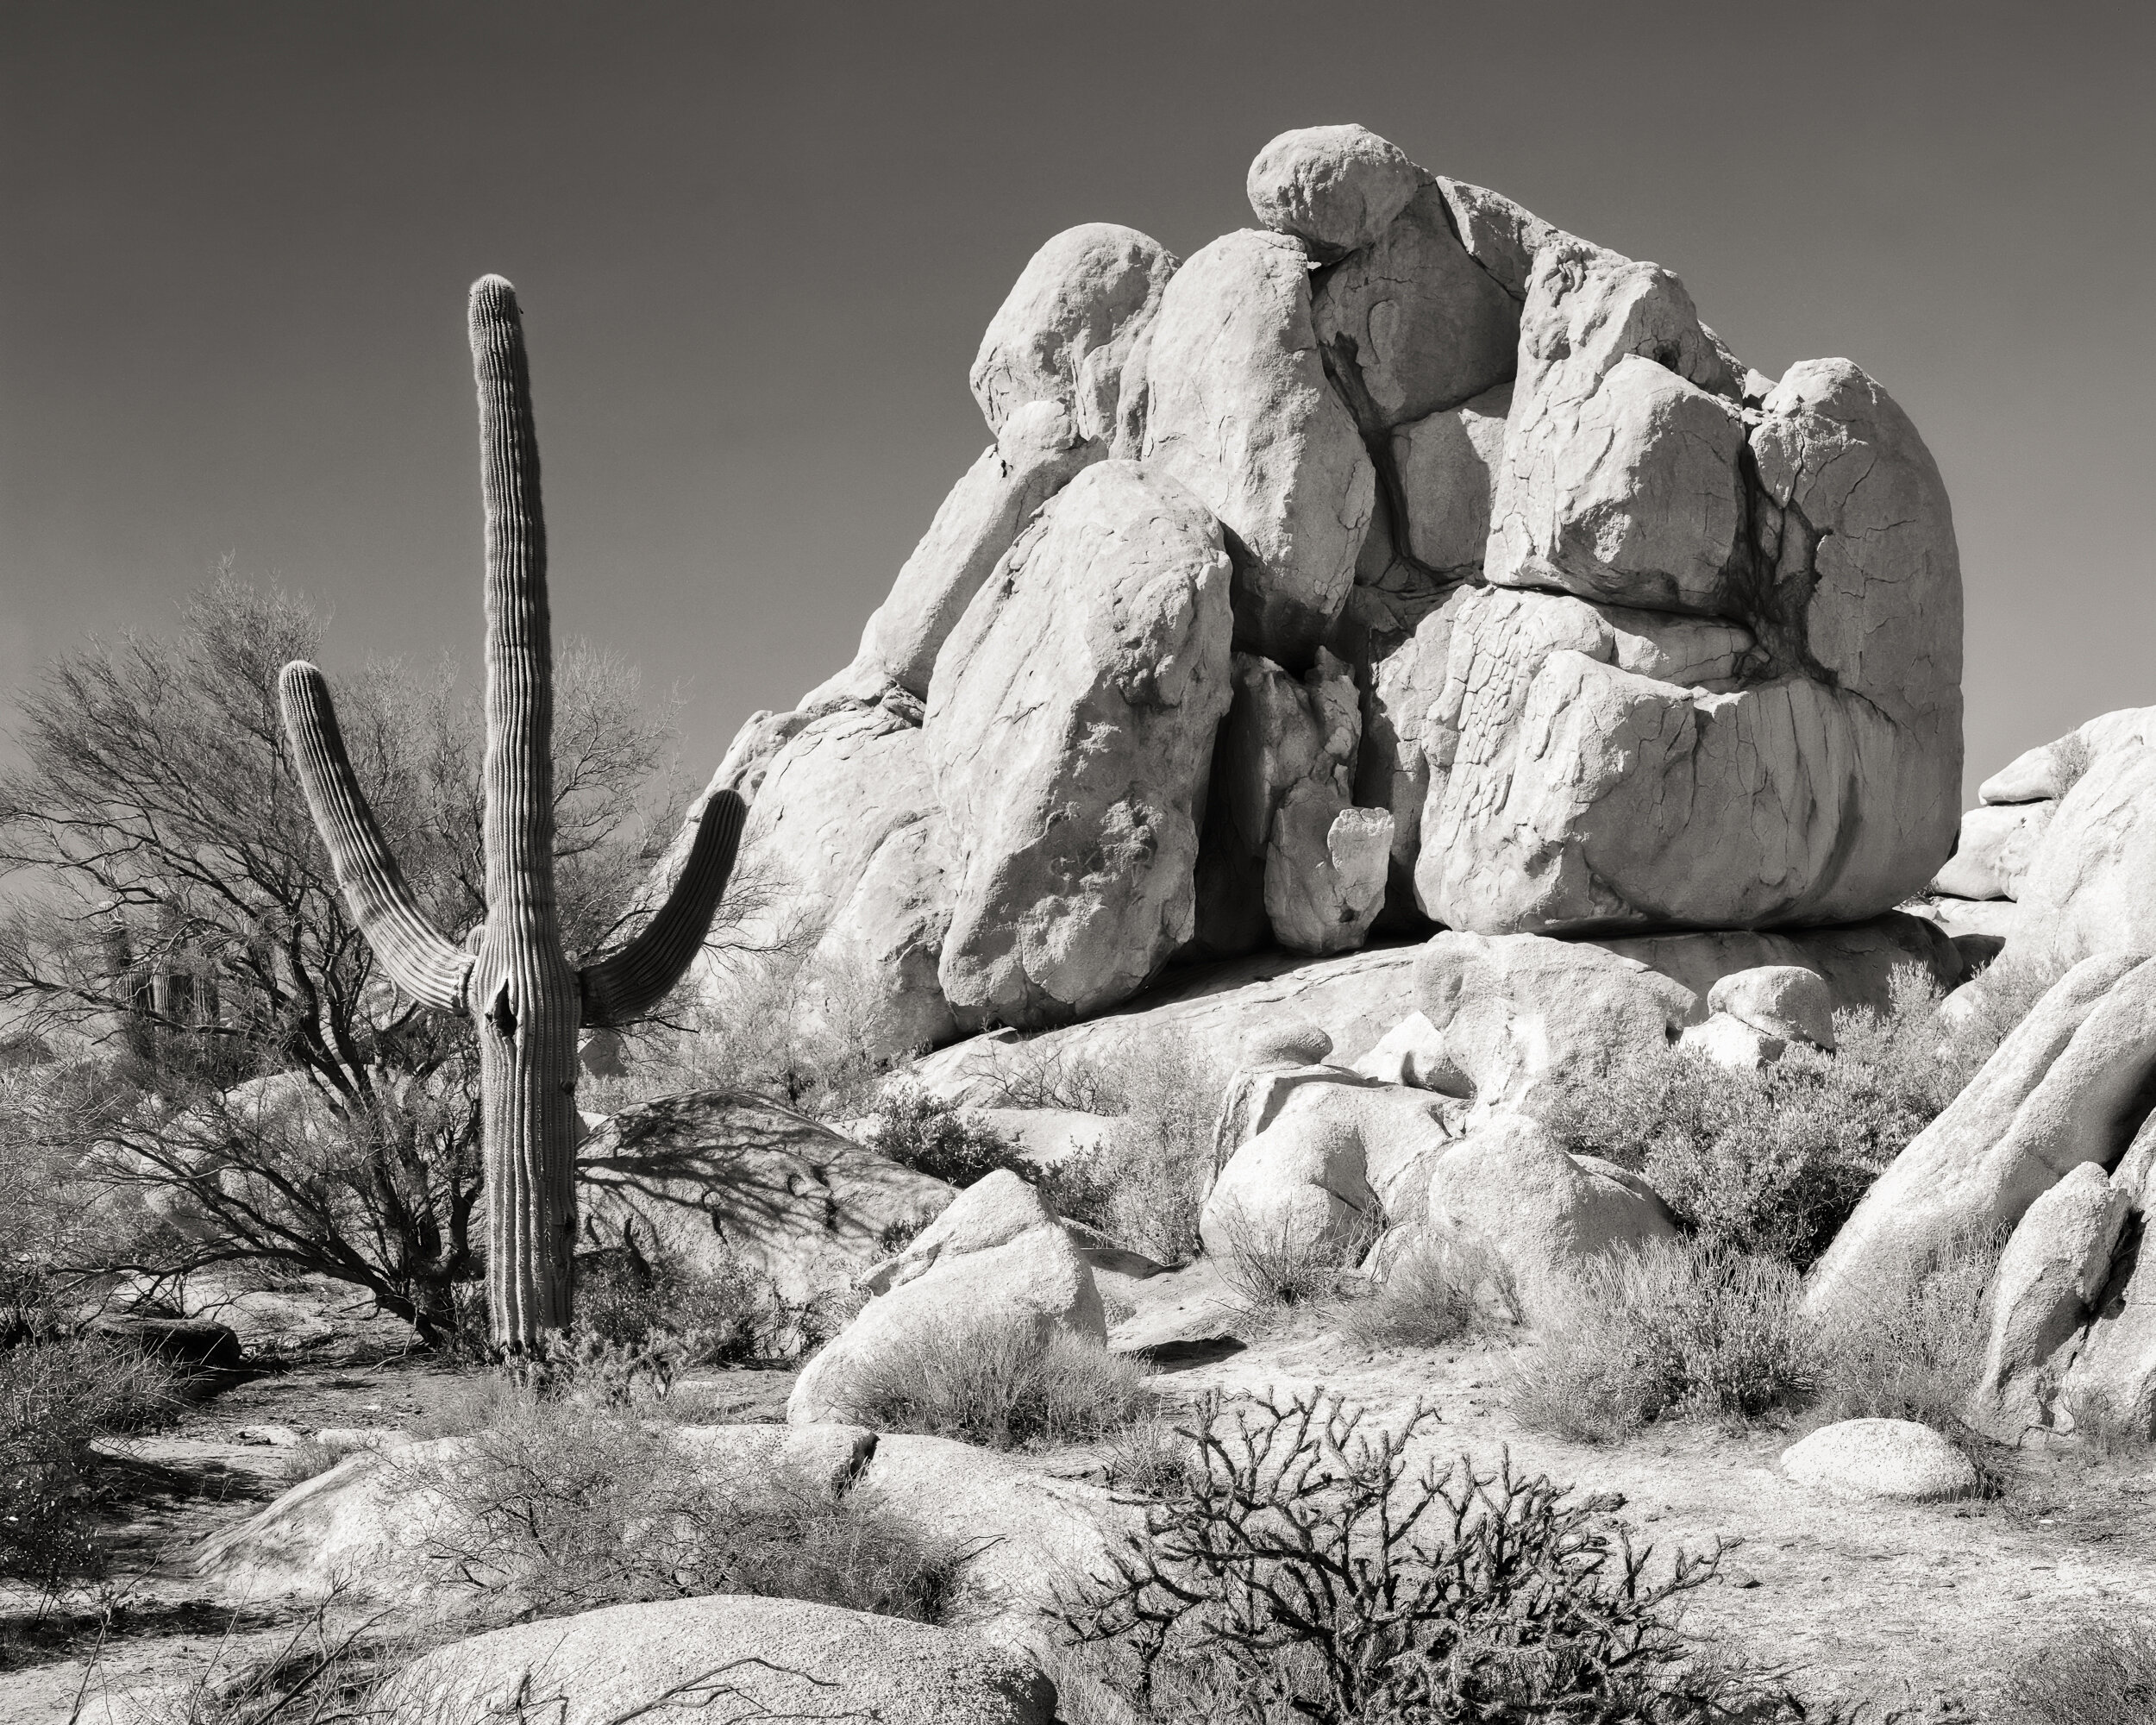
[418,960]
[628,983]
[519,767]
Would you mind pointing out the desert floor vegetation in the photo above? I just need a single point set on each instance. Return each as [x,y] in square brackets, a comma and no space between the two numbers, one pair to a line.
[1437,1290]
[1001,1386]
[2099,1674]
[557,1504]
[1299,1565]
[1681,1329]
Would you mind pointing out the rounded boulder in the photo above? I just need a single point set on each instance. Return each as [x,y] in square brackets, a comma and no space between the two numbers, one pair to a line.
[1334,187]
[1872,1458]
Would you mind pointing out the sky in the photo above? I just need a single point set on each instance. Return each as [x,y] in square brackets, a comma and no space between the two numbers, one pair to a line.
[756,245]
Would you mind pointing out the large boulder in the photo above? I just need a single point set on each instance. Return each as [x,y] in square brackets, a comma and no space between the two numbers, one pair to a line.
[2069,1085]
[1335,188]
[689,1661]
[2051,1276]
[1894,1459]
[717,1178]
[1001,1264]
[1740,705]
[1031,1533]
[1992,855]
[1070,726]
[1067,325]
[1239,408]
[1038,448]
[1322,1154]
[845,850]
[1447,463]
[1510,1188]
[1410,325]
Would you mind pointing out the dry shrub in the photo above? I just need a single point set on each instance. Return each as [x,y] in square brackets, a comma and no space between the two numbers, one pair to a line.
[1000,1385]
[1440,1288]
[58,1398]
[936,1137]
[1679,1329]
[559,1507]
[2107,1422]
[1274,1265]
[1773,1162]
[2097,1674]
[1908,1342]
[1299,1571]
[646,1299]
[1995,1000]
[1144,1184]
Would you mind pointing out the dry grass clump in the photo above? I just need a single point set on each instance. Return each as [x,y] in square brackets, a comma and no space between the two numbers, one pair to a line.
[2097,1674]
[58,1398]
[1681,1329]
[1274,1265]
[1773,1162]
[557,1506]
[1438,1290]
[1298,1571]
[1001,1386]
[1909,1343]
[934,1137]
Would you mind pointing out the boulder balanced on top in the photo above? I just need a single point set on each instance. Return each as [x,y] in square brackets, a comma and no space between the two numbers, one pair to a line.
[1404,561]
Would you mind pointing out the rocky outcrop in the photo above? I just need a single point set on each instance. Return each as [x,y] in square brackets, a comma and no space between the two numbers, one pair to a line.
[1636,636]
[677,1661]
[715,1179]
[2069,1085]
[1509,1188]
[2051,1276]
[1071,727]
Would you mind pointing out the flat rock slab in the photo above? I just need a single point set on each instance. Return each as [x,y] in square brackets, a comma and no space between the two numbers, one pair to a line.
[1891,1458]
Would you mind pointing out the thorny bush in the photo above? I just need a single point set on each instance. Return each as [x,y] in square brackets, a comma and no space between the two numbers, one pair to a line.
[1296,1569]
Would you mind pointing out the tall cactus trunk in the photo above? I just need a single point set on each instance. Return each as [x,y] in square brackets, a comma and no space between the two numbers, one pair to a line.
[523,993]
[527,1002]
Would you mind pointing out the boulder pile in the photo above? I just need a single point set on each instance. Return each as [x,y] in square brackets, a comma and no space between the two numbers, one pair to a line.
[1403,562]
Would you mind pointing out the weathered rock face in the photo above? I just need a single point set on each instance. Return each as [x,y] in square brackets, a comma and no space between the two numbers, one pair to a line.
[2051,1276]
[715,1177]
[1037,451]
[1282,817]
[1695,734]
[1069,325]
[1447,465]
[1071,724]
[844,830]
[1239,408]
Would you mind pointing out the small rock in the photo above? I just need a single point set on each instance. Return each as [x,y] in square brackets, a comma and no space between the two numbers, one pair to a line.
[279,1436]
[1884,1459]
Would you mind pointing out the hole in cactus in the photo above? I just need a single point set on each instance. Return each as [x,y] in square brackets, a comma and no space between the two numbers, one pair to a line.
[502,1013]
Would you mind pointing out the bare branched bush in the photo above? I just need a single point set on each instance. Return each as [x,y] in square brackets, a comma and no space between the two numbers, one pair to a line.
[647,1298]
[556,1506]
[2096,1673]
[1678,1329]
[1299,1570]
[1773,1162]
[1000,1385]
[1438,1290]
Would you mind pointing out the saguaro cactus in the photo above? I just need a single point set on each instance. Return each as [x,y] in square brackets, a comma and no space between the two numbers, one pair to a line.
[526,1001]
